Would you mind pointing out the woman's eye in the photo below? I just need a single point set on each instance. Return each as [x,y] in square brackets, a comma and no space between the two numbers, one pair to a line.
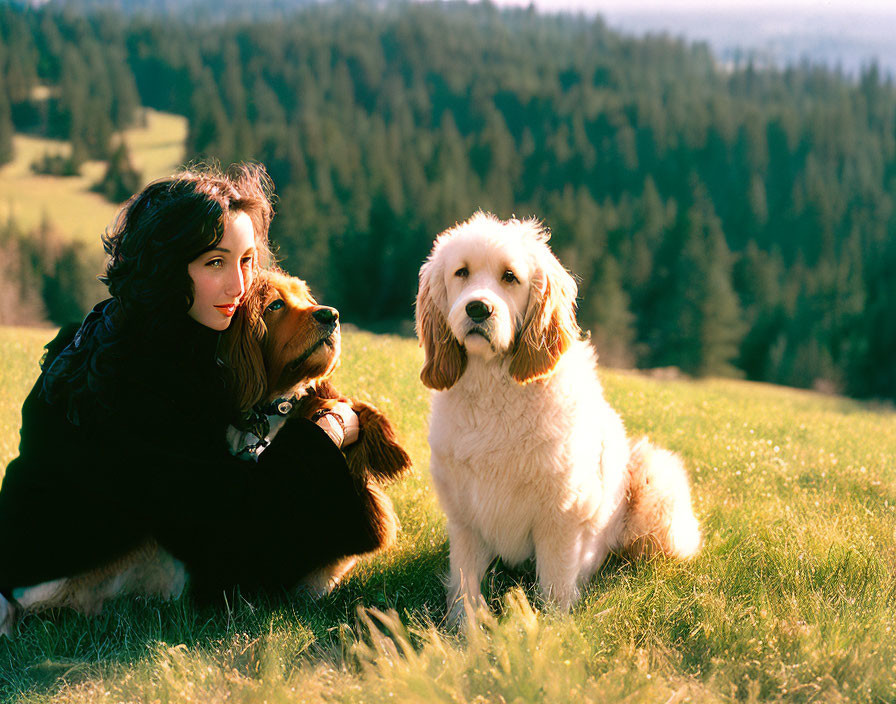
[463,272]
[216,263]
[509,277]
[247,261]
[276,305]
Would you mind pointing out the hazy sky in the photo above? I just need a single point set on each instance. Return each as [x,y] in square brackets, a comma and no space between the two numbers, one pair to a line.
[848,34]
[888,6]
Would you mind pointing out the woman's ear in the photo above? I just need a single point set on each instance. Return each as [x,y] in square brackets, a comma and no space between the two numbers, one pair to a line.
[445,359]
[241,351]
[549,327]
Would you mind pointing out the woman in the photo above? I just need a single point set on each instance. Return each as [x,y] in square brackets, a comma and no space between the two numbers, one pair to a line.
[123,434]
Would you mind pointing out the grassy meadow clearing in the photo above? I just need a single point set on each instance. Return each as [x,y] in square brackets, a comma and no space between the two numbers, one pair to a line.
[792,598]
[156,149]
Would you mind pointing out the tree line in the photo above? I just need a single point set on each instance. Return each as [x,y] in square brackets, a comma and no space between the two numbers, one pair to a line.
[720,221]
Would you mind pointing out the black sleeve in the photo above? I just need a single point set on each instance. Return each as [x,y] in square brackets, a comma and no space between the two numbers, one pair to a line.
[78,499]
[265,524]
[57,516]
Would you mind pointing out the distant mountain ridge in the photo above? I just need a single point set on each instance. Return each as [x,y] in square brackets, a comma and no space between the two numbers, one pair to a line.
[850,40]
[223,9]
[839,39]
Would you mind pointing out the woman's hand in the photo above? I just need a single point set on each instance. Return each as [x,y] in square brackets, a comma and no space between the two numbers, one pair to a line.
[340,422]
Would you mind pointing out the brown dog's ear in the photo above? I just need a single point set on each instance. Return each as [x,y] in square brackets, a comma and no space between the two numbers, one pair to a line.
[241,350]
[377,452]
[445,359]
[550,325]
[323,388]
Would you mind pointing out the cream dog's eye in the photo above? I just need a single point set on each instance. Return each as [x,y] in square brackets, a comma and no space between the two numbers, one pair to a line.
[276,305]
[509,277]
[463,272]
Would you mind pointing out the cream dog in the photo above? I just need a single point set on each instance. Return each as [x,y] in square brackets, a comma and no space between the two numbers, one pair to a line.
[528,458]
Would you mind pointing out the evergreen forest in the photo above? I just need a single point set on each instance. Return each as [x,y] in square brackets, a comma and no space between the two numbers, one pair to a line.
[719,220]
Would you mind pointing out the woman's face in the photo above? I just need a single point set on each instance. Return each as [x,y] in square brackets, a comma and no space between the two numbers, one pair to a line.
[222,275]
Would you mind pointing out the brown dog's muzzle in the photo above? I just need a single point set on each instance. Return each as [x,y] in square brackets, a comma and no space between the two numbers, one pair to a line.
[326,316]
[303,345]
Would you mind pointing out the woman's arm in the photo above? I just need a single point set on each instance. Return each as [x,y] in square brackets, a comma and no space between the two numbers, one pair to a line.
[262,524]
[340,422]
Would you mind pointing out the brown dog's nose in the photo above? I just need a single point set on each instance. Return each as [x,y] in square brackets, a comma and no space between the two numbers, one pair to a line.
[478,311]
[326,316]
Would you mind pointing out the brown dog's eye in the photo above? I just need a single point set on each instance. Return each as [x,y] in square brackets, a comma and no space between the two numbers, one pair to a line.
[463,272]
[509,277]
[276,305]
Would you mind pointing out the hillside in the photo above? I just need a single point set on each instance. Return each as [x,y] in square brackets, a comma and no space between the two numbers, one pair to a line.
[725,220]
[156,145]
[791,599]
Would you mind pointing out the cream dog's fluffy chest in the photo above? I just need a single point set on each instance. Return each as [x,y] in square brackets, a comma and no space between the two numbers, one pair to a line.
[506,456]
[481,483]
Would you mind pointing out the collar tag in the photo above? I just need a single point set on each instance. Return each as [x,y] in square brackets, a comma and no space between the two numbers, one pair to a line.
[279,406]
[284,407]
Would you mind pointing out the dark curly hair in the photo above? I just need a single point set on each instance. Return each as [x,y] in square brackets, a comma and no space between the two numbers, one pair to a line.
[170,223]
[158,232]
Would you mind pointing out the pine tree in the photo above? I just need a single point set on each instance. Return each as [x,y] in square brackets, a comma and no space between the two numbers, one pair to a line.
[651,219]
[698,323]
[722,327]
[451,200]
[124,97]
[579,232]
[494,158]
[607,311]
[19,58]
[235,105]
[65,289]
[6,130]
[757,280]
[210,132]
[20,299]
[873,367]
[121,179]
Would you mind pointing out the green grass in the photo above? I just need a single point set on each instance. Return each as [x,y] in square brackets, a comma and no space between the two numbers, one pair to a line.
[156,148]
[792,598]
[20,350]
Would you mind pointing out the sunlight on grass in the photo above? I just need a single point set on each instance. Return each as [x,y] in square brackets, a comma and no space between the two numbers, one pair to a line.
[790,600]
[156,148]
[20,352]
[521,656]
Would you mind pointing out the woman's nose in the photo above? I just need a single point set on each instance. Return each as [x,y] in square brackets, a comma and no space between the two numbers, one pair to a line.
[236,283]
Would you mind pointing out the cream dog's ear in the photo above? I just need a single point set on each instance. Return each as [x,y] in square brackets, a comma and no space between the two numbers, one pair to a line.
[550,324]
[445,358]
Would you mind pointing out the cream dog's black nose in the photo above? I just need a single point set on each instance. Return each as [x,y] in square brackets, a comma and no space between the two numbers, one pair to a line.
[478,311]
[326,316]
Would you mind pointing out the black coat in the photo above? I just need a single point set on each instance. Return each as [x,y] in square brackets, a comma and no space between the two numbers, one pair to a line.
[157,466]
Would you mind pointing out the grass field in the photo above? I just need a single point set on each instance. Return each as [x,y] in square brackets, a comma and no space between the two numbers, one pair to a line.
[792,598]
[156,148]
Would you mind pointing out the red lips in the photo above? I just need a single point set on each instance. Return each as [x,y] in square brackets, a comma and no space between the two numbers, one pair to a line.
[227,310]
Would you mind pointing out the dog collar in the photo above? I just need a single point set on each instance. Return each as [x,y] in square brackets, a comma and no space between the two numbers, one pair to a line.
[280,406]
[255,420]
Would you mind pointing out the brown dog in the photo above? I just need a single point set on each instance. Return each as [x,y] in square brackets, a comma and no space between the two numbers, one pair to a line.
[281,348]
